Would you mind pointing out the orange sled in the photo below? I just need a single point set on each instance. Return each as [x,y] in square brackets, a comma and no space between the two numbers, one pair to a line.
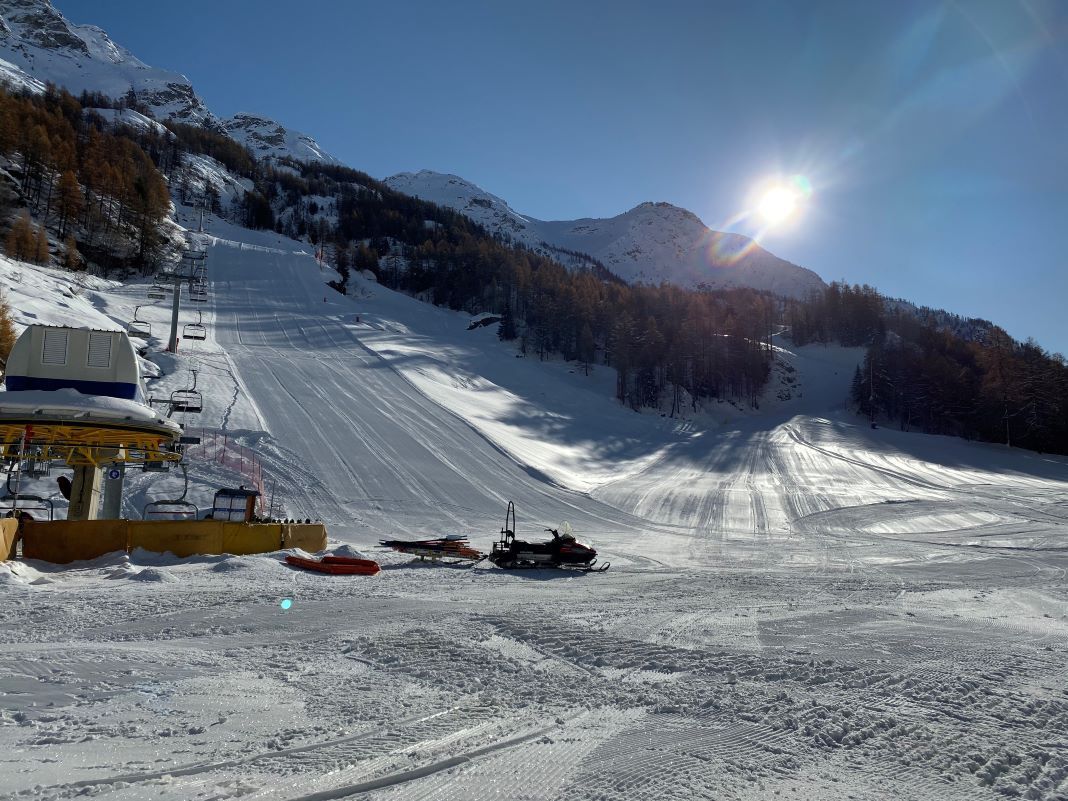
[337,565]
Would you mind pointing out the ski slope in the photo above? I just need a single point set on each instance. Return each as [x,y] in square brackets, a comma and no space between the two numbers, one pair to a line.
[799,606]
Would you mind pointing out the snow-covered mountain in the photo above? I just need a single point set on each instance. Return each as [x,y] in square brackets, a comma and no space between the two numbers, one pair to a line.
[39,40]
[267,139]
[651,243]
[38,45]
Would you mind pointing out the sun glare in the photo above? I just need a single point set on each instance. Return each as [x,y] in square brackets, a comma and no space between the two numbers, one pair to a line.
[778,204]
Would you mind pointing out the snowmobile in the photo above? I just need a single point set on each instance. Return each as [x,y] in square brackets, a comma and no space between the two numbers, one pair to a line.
[453,546]
[562,551]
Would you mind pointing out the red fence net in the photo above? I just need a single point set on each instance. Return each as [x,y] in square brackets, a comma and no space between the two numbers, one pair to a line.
[219,447]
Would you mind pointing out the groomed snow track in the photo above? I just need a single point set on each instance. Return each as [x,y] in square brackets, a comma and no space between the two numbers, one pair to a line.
[799,607]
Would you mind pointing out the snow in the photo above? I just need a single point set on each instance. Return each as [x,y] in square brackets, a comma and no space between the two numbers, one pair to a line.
[72,403]
[651,243]
[268,139]
[134,119]
[17,80]
[799,606]
[39,45]
[37,39]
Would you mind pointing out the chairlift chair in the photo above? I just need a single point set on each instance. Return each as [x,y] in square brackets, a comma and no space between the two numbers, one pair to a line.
[24,502]
[28,504]
[37,467]
[194,331]
[188,400]
[172,508]
[156,293]
[137,327]
[198,296]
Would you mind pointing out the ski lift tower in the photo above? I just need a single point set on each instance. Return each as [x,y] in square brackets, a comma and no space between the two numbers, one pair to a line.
[193,263]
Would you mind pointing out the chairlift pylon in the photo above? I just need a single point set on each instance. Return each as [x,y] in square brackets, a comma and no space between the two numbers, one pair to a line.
[138,327]
[188,400]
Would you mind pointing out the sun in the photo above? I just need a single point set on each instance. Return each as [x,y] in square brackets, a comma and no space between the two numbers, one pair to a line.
[778,204]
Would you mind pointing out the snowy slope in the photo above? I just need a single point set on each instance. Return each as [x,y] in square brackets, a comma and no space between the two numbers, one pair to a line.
[17,80]
[267,139]
[651,243]
[35,37]
[798,607]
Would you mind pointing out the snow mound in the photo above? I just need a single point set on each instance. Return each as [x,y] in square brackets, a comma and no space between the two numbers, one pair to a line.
[153,574]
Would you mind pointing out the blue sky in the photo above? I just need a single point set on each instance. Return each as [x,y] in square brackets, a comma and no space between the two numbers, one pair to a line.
[933,133]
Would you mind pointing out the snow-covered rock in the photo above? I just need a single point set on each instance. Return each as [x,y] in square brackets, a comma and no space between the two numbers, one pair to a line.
[268,139]
[651,243]
[41,42]
[39,45]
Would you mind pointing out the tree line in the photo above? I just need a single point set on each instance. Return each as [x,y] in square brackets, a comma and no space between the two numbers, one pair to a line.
[931,371]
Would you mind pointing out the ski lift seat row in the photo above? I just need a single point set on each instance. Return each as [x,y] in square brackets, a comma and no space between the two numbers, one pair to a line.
[28,504]
[195,330]
[188,400]
[172,508]
[138,327]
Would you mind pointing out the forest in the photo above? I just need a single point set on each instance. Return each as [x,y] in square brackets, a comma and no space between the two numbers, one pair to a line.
[931,371]
[98,190]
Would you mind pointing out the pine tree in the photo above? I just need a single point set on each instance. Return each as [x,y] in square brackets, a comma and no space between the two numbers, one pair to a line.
[7,331]
[72,259]
[40,245]
[586,347]
[507,331]
[20,241]
[69,202]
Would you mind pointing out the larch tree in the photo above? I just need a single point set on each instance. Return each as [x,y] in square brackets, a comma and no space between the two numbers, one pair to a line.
[20,239]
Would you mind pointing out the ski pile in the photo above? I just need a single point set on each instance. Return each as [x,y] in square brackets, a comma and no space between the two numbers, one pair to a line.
[453,546]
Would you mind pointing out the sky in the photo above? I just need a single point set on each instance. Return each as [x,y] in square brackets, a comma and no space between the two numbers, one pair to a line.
[933,134]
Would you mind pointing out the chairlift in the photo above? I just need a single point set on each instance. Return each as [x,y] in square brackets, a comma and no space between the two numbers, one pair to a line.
[173,508]
[37,467]
[20,502]
[195,330]
[28,504]
[198,295]
[156,293]
[138,327]
[188,400]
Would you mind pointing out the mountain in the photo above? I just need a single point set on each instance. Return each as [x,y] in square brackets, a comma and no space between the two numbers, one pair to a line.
[39,45]
[42,43]
[651,243]
[269,140]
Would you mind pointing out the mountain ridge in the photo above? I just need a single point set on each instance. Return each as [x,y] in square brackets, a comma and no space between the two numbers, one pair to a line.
[39,45]
[651,243]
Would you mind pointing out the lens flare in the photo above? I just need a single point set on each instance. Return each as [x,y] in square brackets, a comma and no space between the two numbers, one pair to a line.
[772,203]
[778,204]
[286,604]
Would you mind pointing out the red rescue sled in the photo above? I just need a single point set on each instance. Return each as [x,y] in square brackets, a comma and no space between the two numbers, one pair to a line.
[337,565]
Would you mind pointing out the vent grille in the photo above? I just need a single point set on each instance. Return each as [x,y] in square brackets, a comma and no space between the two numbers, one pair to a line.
[100,350]
[55,347]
